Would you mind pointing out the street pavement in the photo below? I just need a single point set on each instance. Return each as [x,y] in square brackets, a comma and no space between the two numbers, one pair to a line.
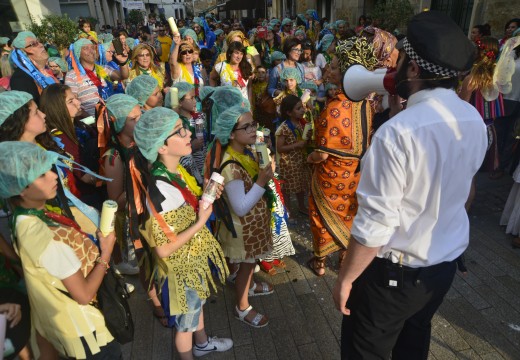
[479,319]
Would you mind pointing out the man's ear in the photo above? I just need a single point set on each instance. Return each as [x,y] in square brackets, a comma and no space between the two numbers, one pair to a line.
[414,70]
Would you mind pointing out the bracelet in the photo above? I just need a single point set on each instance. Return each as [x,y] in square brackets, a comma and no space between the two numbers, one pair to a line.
[103,263]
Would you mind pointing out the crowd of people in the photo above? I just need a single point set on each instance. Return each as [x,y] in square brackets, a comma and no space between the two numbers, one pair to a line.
[146,116]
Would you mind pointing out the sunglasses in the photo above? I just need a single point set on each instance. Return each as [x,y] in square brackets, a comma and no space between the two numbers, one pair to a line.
[184,52]
[33,44]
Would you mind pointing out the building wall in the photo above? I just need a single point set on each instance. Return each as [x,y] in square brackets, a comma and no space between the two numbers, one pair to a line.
[495,13]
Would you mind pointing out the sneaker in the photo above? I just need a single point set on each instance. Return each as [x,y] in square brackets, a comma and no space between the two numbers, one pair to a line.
[127,269]
[214,344]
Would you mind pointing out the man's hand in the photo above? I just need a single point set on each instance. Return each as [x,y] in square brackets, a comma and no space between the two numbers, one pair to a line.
[340,294]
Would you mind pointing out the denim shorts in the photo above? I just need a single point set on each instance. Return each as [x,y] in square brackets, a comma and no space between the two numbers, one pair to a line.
[190,321]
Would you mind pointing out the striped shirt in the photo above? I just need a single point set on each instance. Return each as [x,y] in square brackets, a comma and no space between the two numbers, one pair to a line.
[85,90]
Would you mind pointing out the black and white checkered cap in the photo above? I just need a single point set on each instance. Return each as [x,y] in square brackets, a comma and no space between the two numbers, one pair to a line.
[424,64]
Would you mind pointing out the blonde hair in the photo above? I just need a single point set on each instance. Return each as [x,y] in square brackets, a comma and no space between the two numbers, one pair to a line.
[135,65]
[481,75]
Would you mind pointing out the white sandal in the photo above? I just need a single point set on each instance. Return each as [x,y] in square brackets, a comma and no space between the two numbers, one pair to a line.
[241,315]
[265,289]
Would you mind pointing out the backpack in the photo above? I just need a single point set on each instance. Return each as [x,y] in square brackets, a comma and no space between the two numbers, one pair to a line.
[112,301]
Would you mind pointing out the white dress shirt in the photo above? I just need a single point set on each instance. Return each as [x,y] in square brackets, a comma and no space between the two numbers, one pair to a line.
[416,177]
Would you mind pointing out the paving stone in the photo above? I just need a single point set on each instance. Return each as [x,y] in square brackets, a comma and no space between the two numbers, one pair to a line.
[318,325]
[312,352]
[492,356]
[245,352]
[283,340]
[479,319]
[470,294]
[448,334]
[440,350]
[468,354]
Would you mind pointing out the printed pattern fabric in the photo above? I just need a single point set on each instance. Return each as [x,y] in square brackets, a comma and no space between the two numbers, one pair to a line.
[282,243]
[294,169]
[254,237]
[188,266]
[343,132]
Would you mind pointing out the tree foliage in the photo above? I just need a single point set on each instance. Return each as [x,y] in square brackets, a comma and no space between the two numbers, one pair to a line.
[135,17]
[393,14]
[58,30]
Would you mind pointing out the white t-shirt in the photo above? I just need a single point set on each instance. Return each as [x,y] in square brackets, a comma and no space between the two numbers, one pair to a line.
[321,62]
[58,258]
[416,177]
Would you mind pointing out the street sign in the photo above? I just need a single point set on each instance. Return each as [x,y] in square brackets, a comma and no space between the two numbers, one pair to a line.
[133,5]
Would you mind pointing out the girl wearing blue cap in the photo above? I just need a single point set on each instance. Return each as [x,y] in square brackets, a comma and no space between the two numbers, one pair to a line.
[57,256]
[183,245]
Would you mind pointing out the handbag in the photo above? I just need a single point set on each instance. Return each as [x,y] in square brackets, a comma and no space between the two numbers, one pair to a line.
[112,301]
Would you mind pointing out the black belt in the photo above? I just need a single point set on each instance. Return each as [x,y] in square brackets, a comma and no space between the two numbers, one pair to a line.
[410,273]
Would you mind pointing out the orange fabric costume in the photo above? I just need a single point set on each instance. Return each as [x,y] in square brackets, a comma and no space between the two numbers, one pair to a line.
[342,131]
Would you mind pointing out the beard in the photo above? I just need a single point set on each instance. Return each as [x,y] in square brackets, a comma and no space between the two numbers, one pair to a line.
[402,85]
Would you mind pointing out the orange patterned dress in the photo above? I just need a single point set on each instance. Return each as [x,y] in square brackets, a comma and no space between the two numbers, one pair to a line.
[343,132]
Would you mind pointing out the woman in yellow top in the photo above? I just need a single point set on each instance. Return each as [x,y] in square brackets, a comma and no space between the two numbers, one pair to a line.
[235,71]
[183,66]
[57,257]
[143,64]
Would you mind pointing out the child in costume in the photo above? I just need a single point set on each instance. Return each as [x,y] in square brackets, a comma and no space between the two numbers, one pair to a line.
[183,245]
[247,237]
[145,89]
[63,267]
[291,148]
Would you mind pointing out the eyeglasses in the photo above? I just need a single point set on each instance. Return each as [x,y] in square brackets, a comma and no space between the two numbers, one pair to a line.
[249,128]
[296,50]
[182,132]
[144,55]
[33,44]
[184,52]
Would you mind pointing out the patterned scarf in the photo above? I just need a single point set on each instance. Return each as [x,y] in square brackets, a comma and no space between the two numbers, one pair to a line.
[183,181]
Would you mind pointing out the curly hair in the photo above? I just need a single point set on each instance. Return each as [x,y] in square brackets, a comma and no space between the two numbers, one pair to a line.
[245,67]
[481,75]
[54,107]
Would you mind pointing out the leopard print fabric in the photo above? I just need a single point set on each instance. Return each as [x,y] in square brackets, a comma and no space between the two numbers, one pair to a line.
[188,266]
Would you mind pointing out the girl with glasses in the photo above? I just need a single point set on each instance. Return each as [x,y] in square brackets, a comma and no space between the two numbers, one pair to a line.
[177,223]
[247,237]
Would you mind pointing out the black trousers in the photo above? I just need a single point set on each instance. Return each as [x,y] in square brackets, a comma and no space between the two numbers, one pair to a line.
[386,321]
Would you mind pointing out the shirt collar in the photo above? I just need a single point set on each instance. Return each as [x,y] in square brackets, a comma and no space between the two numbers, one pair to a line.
[423,95]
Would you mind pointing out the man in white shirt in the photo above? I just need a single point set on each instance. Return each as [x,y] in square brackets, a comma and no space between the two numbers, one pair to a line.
[411,224]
